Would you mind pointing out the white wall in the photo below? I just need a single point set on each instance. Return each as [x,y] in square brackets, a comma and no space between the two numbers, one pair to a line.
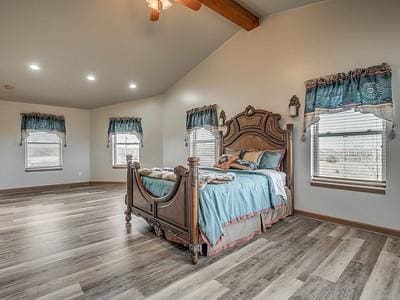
[12,161]
[150,110]
[267,66]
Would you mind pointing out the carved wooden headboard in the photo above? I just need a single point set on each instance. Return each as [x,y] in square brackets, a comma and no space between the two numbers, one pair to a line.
[259,129]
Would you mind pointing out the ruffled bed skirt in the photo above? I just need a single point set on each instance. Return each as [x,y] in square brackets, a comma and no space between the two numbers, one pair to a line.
[243,229]
[246,229]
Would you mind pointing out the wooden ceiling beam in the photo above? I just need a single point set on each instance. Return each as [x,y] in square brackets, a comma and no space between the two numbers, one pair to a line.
[234,12]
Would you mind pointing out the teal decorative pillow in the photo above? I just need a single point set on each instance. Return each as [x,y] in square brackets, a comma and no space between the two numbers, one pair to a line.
[271,159]
[242,164]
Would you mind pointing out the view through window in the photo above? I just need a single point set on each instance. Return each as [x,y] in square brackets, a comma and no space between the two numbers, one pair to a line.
[123,145]
[349,146]
[43,150]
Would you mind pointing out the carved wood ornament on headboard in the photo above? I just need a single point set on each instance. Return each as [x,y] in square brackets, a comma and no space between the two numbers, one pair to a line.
[254,129]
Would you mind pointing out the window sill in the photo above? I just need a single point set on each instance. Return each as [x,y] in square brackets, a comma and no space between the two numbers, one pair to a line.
[119,167]
[43,169]
[376,188]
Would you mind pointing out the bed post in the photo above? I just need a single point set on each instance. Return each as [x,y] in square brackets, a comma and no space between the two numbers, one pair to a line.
[289,165]
[129,191]
[221,149]
[195,247]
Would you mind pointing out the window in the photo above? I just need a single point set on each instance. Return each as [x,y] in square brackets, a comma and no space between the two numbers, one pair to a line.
[348,148]
[43,151]
[203,145]
[123,145]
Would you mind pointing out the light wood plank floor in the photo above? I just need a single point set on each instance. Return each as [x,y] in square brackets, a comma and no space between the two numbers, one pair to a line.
[72,243]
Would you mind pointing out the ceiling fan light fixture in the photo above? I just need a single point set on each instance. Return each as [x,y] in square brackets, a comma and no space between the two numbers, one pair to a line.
[153,4]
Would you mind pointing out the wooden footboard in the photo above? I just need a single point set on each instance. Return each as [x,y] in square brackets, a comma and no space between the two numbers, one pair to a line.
[177,213]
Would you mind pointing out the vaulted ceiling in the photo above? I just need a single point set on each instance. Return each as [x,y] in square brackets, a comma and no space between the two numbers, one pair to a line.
[113,40]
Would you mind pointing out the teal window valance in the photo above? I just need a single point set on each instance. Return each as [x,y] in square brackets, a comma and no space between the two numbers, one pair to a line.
[364,90]
[128,125]
[202,117]
[38,122]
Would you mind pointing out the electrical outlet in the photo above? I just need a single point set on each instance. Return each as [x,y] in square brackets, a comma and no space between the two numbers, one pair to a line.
[80,174]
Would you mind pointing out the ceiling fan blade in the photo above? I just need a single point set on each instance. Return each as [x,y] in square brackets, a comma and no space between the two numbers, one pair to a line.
[160,5]
[154,15]
[193,4]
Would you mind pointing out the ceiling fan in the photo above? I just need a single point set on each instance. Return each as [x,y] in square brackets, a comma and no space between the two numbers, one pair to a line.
[157,6]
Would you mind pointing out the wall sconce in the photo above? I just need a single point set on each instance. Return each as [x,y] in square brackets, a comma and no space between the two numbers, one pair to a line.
[222,116]
[294,106]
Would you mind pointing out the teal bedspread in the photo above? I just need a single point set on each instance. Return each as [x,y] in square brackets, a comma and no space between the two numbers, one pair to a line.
[220,204]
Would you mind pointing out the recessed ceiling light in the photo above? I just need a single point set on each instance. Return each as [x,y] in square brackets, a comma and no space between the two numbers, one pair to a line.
[34,67]
[91,77]
[132,85]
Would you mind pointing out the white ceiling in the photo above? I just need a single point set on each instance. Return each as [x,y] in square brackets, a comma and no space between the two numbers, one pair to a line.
[266,7]
[113,40]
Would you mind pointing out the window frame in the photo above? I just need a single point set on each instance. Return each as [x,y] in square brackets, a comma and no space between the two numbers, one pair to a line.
[48,168]
[114,151]
[213,140]
[341,183]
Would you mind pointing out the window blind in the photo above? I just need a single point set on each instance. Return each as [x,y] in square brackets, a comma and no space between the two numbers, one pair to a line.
[203,145]
[349,146]
[43,150]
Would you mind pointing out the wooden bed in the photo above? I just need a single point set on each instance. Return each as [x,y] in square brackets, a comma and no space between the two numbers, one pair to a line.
[176,215]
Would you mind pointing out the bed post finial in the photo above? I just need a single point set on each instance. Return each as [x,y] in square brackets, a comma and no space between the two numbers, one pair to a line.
[131,163]
[129,159]
[194,218]
[194,161]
